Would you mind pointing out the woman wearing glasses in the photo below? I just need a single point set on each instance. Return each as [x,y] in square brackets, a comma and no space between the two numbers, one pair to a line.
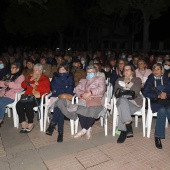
[10,84]
[127,107]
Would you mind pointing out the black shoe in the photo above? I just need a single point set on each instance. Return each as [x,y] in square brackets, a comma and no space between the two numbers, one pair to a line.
[122,137]
[129,130]
[60,136]
[1,123]
[158,143]
[22,130]
[50,129]
[27,130]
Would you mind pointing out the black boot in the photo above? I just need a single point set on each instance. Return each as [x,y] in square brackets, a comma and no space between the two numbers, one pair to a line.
[158,143]
[129,130]
[50,129]
[122,137]
[60,136]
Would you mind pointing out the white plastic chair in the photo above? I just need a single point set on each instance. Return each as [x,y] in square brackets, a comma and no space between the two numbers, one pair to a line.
[140,112]
[73,124]
[150,115]
[35,109]
[12,107]
[104,121]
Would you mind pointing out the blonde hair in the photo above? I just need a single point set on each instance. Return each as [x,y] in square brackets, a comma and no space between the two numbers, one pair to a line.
[158,65]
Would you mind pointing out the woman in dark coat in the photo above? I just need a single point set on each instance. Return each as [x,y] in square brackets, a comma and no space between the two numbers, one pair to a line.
[157,88]
[62,83]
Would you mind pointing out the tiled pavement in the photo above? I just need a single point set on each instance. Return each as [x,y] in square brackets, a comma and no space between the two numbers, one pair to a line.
[37,151]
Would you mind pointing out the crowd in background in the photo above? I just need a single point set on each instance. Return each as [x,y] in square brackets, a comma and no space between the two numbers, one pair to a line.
[78,65]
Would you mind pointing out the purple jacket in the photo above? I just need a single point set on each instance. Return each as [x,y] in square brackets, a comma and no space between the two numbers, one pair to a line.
[14,87]
[95,85]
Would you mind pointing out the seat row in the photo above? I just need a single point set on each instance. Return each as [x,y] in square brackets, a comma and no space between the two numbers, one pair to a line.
[110,109]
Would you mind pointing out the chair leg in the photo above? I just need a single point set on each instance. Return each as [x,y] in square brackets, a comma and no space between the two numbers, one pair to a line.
[72,126]
[149,123]
[101,121]
[136,120]
[76,122]
[105,127]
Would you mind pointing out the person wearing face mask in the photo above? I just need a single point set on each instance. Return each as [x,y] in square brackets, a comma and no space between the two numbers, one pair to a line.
[61,83]
[84,62]
[77,71]
[167,67]
[90,90]
[3,68]
[159,59]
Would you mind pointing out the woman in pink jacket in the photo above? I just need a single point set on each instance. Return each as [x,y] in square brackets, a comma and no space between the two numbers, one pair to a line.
[142,72]
[10,85]
[91,92]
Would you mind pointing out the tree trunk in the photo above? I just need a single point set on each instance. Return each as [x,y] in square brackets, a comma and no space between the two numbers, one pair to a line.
[146,23]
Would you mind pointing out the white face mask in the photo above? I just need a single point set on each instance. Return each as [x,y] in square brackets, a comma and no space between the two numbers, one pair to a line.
[129,59]
[82,61]
[1,66]
[166,67]
[160,62]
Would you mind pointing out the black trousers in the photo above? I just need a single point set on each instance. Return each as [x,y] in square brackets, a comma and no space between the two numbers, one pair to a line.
[26,108]
[86,122]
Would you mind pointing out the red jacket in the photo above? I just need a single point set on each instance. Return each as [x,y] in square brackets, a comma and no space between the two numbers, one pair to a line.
[42,87]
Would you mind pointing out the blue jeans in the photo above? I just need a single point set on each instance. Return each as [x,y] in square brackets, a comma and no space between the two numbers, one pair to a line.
[58,117]
[162,113]
[3,102]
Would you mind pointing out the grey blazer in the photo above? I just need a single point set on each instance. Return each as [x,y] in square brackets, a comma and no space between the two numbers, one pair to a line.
[136,86]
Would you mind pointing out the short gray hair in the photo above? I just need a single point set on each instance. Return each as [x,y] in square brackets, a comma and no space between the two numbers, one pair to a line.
[39,66]
[91,67]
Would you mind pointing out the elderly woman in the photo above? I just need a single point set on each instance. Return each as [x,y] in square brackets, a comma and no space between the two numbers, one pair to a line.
[127,107]
[157,88]
[142,72]
[91,91]
[10,84]
[36,85]
[62,83]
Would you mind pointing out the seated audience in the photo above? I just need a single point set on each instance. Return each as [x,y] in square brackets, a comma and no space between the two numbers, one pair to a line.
[115,74]
[4,70]
[62,83]
[98,67]
[11,84]
[35,85]
[77,71]
[166,65]
[151,61]
[127,107]
[142,72]
[54,68]
[90,90]
[157,88]
[29,68]
[46,67]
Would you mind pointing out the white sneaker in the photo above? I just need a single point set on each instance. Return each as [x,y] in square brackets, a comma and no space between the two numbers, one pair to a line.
[79,134]
[88,134]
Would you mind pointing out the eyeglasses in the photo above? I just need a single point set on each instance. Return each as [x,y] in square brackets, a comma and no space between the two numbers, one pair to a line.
[127,70]
[13,67]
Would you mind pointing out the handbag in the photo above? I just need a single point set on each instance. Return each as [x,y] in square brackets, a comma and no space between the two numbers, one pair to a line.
[164,102]
[129,94]
[25,98]
[65,96]
[95,101]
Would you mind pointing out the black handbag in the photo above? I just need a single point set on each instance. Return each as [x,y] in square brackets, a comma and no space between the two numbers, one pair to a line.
[164,102]
[25,98]
[129,94]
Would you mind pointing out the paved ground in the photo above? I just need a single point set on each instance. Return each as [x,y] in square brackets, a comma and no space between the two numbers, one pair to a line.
[37,151]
